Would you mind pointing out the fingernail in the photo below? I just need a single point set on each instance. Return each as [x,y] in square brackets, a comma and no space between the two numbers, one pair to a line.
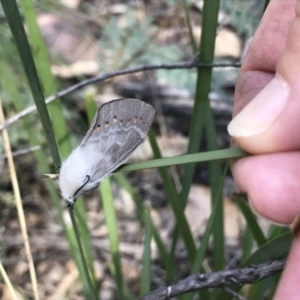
[262,111]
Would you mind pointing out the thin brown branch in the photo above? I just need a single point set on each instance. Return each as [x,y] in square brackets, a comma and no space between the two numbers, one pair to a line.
[220,279]
[22,152]
[181,65]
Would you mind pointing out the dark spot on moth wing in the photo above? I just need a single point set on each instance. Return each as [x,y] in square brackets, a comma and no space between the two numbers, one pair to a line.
[118,111]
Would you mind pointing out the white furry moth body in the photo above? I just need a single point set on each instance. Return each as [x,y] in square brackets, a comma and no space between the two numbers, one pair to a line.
[117,129]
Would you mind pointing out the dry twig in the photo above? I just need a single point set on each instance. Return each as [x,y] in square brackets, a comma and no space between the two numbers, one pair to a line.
[181,65]
[22,152]
[196,282]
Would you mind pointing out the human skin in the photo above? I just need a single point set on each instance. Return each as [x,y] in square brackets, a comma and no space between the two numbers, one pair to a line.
[267,123]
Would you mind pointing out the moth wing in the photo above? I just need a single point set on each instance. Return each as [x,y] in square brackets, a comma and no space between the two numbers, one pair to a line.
[117,129]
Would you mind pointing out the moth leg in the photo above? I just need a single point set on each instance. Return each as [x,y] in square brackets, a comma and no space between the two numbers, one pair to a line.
[70,205]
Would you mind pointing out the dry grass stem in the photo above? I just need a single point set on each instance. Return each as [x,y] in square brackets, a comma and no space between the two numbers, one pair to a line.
[20,210]
[7,282]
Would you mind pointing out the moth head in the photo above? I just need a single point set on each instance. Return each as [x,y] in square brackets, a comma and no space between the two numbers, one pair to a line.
[73,180]
[74,175]
[71,189]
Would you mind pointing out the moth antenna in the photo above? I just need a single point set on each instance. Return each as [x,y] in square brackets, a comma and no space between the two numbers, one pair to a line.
[88,179]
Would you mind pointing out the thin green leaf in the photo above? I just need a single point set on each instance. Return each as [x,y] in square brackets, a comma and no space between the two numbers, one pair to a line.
[209,227]
[201,107]
[197,264]
[111,223]
[48,82]
[247,244]
[165,256]
[16,26]
[276,231]
[215,180]
[198,120]
[80,212]
[258,290]
[186,8]
[146,260]
[184,159]
[273,249]
[175,203]
[12,90]
[49,85]
[251,220]
[88,282]
[190,168]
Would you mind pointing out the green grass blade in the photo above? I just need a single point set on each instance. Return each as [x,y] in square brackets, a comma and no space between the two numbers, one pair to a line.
[165,256]
[13,92]
[55,109]
[201,251]
[190,169]
[16,26]
[87,279]
[76,256]
[174,202]
[276,231]
[215,179]
[111,223]
[184,159]
[247,244]
[273,249]
[251,221]
[186,183]
[258,290]
[48,81]
[80,213]
[201,107]
[146,261]
[209,227]
[122,181]
[41,159]
[273,285]
[186,7]
[207,44]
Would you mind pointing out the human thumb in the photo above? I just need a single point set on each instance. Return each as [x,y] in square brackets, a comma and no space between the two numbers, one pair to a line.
[271,121]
